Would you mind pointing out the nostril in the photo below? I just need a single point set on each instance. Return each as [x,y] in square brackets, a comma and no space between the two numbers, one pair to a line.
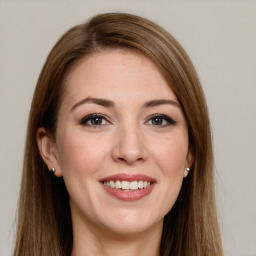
[129,160]
[128,149]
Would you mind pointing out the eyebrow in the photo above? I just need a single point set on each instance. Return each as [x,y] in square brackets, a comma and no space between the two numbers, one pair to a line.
[111,104]
[157,102]
[98,101]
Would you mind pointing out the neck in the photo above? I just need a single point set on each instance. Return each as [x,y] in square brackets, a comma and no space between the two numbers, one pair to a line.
[106,243]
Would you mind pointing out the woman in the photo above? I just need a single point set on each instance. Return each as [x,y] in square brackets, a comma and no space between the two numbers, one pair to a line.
[118,157]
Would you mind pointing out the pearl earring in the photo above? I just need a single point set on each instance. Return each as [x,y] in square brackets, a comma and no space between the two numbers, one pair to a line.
[52,170]
[186,172]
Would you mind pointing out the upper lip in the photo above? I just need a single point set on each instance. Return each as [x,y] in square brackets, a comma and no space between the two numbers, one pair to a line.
[128,177]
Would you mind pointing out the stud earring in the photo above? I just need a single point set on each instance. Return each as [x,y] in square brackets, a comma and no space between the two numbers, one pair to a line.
[186,172]
[52,170]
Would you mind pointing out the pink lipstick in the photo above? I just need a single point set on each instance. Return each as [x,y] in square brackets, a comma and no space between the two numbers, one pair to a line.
[128,187]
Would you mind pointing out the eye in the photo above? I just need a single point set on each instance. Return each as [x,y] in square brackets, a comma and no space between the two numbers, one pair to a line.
[160,120]
[94,120]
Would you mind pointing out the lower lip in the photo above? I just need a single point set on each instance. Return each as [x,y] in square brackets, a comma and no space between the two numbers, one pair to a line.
[131,195]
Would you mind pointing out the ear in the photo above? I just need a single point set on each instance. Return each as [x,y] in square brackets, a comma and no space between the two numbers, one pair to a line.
[189,162]
[48,150]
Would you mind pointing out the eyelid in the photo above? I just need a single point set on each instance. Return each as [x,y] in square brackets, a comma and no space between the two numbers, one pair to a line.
[91,116]
[167,118]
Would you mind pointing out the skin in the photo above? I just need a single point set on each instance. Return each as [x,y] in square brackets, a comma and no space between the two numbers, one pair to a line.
[127,140]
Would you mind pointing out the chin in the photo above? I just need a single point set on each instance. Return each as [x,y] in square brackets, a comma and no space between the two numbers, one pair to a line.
[131,223]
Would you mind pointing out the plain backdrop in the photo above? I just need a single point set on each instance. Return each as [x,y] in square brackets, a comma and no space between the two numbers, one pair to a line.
[219,36]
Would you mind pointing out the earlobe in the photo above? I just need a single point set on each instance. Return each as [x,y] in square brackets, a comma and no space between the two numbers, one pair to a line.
[189,163]
[47,149]
[186,172]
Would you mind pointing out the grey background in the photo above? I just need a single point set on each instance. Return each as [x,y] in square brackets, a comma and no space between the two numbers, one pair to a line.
[220,38]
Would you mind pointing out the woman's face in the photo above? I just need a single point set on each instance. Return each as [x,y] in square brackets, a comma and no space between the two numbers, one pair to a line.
[121,143]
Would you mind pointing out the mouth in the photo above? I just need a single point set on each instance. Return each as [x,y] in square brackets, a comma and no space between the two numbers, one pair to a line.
[128,187]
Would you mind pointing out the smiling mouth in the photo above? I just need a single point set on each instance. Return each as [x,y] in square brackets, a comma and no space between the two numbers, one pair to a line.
[127,186]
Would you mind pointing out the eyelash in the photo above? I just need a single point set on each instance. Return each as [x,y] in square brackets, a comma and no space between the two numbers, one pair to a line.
[85,120]
[167,119]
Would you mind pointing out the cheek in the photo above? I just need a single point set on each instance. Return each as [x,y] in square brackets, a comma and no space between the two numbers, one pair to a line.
[171,155]
[79,154]
[80,158]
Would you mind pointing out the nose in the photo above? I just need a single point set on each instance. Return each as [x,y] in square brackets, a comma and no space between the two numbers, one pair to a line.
[129,146]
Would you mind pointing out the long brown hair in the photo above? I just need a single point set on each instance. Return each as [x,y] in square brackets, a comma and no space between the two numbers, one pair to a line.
[44,220]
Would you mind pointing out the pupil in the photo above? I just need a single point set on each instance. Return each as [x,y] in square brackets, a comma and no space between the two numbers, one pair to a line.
[96,121]
[157,121]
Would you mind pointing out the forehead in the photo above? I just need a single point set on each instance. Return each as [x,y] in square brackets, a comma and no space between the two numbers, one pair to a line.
[113,73]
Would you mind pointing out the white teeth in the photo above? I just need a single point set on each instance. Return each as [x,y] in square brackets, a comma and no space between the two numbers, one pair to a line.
[133,185]
[126,185]
[118,184]
[140,184]
[112,184]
